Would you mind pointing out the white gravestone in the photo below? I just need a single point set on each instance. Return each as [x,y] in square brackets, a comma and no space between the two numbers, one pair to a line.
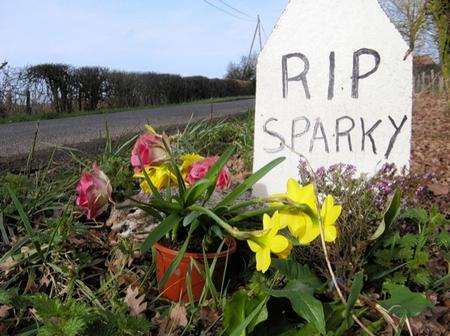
[333,85]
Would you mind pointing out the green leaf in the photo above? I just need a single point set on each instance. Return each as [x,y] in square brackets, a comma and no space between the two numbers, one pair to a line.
[160,231]
[418,215]
[208,183]
[390,215]
[249,182]
[190,218]
[296,271]
[217,167]
[242,313]
[357,285]
[303,302]
[197,191]
[25,221]
[307,330]
[257,213]
[405,303]
[176,169]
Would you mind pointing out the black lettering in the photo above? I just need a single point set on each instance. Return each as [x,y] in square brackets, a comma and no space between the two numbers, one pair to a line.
[301,77]
[340,133]
[275,135]
[298,135]
[331,79]
[369,135]
[356,75]
[396,133]
[323,137]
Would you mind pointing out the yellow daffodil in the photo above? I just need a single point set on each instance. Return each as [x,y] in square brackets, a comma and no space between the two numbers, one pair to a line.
[296,220]
[160,176]
[330,213]
[268,241]
[301,224]
[187,160]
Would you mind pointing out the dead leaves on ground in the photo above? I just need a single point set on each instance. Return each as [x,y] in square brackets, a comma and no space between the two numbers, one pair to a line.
[178,315]
[135,303]
[431,136]
[169,323]
[4,310]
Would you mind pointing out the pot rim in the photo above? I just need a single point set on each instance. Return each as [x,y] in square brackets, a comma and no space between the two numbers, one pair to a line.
[229,241]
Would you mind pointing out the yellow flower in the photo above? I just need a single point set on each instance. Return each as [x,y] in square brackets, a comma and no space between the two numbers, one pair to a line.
[299,223]
[160,176]
[187,161]
[268,241]
[296,220]
[330,213]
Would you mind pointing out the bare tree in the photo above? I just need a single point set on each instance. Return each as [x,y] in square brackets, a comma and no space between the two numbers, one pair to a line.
[410,18]
[245,69]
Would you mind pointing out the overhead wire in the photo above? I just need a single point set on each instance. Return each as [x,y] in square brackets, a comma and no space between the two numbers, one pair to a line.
[227,12]
[236,10]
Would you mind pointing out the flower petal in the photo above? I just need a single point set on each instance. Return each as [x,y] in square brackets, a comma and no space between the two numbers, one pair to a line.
[330,212]
[294,190]
[278,244]
[267,222]
[263,260]
[312,231]
[330,233]
[286,252]
[253,246]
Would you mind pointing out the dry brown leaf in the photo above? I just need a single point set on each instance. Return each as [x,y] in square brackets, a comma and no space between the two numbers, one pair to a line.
[178,315]
[135,302]
[163,324]
[208,316]
[7,265]
[4,310]
[45,281]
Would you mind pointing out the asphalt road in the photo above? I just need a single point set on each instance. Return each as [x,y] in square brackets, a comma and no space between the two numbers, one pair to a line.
[16,138]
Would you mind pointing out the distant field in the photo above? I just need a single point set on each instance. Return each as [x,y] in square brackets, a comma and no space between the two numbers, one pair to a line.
[47,116]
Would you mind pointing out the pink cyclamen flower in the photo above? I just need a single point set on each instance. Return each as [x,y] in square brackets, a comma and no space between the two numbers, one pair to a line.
[148,150]
[198,170]
[94,192]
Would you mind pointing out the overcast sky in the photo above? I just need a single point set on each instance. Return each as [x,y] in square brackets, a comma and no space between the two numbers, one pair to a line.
[188,37]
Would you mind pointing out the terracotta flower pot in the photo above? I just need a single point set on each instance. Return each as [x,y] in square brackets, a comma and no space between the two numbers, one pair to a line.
[176,287]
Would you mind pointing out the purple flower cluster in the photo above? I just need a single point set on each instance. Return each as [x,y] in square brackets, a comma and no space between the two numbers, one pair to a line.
[341,179]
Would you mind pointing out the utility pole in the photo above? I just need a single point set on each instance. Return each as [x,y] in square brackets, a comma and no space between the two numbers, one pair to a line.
[256,33]
[259,33]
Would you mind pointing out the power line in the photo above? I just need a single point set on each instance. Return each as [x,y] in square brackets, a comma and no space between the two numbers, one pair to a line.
[226,12]
[236,10]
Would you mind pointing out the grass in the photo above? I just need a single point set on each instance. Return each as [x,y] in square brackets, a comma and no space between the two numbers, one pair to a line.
[63,275]
[46,116]
[48,249]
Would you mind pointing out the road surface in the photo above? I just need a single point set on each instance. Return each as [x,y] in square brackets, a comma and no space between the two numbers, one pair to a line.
[16,139]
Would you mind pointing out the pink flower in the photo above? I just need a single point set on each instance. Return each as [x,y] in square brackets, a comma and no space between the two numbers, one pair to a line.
[148,150]
[94,192]
[198,170]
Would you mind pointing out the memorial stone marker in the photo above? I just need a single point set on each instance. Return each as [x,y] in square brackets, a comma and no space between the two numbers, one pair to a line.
[333,85]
